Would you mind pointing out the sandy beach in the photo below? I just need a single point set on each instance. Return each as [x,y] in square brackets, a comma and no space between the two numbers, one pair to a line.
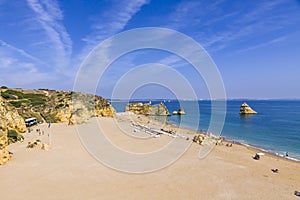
[69,171]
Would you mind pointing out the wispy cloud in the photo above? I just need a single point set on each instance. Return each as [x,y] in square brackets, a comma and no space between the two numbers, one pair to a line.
[265,44]
[173,61]
[21,68]
[21,52]
[17,71]
[49,16]
[237,25]
[112,21]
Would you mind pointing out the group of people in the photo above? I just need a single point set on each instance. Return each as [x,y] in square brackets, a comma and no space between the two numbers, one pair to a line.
[39,131]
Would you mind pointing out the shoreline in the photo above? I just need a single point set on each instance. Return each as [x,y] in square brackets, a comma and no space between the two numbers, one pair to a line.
[230,140]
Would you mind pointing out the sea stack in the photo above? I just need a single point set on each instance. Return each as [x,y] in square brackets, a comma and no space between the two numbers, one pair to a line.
[179,112]
[246,109]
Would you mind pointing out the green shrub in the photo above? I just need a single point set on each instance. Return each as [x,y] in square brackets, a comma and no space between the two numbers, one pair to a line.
[49,117]
[38,103]
[34,96]
[3,87]
[16,104]
[14,136]
[59,106]
[8,93]
[7,96]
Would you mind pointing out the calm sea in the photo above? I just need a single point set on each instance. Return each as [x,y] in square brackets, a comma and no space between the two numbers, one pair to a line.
[276,127]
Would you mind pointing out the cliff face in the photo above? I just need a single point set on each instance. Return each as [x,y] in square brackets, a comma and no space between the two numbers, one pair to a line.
[147,109]
[246,109]
[45,105]
[9,120]
[4,154]
[57,106]
[85,106]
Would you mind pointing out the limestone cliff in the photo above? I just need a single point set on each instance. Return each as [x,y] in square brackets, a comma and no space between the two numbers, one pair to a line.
[9,120]
[246,109]
[45,105]
[10,117]
[4,154]
[57,106]
[85,106]
[147,109]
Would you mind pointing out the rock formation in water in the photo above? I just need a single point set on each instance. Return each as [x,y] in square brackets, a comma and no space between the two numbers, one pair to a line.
[179,112]
[11,124]
[57,106]
[147,109]
[246,109]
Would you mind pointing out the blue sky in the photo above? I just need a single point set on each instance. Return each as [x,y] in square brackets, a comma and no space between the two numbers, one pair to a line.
[255,44]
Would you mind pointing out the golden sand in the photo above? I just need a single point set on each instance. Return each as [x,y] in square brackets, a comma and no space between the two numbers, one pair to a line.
[68,171]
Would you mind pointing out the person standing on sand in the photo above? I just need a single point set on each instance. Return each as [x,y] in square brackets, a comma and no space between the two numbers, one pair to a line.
[49,124]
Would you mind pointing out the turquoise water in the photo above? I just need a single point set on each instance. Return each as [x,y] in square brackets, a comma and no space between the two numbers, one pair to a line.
[276,127]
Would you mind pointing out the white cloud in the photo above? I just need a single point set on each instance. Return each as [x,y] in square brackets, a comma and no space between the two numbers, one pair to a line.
[112,21]
[173,61]
[20,69]
[21,52]
[6,62]
[49,16]
[265,44]
[263,18]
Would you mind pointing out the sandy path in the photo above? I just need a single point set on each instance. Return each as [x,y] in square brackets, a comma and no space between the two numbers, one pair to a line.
[68,171]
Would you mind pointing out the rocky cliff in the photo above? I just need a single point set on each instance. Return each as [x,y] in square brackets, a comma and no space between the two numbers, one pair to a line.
[147,109]
[85,106]
[10,120]
[57,106]
[246,109]
[46,106]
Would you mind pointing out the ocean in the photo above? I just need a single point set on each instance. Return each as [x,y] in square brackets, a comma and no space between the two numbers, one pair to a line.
[275,129]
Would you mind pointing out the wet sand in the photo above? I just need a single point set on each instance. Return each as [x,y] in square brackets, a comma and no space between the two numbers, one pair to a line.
[68,171]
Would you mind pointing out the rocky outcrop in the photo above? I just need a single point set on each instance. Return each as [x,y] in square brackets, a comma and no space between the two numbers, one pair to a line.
[4,154]
[179,112]
[147,109]
[57,106]
[108,111]
[9,120]
[207,139]
[246,109]
[45,105]
[85,106]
